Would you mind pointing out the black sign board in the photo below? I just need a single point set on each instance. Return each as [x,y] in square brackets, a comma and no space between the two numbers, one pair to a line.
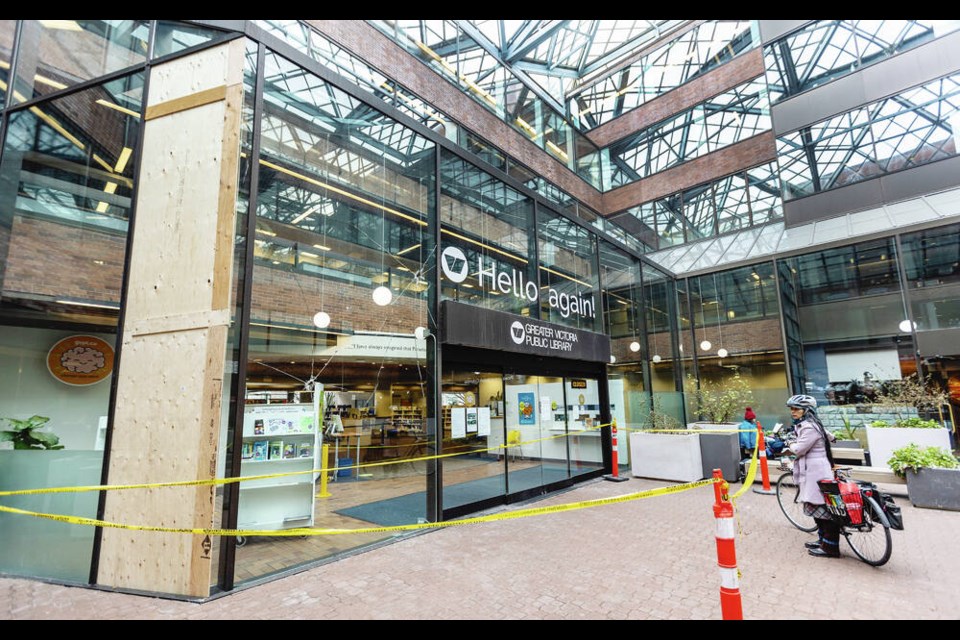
[471,326]
[578,384]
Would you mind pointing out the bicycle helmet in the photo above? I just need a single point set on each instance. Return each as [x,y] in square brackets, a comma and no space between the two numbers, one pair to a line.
[802,402]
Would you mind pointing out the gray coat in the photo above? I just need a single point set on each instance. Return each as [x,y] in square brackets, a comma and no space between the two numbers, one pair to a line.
[811,463]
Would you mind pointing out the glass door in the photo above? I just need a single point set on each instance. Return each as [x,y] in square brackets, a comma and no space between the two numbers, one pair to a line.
[582,421]
[473,459]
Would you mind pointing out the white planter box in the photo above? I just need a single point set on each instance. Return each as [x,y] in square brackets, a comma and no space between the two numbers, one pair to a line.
[666,456]
[881,441]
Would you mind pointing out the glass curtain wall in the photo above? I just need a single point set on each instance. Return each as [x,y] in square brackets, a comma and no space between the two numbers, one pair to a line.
[487,259]
[623,304]
[931,264]
[737,329]
[335,406]
[660,311]
[8,31]
[847,362]
[66,186]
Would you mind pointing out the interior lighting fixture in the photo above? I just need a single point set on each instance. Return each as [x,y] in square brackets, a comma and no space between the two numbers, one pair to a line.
[907,326]
[382,296]
[613,359]
[656,358]
[321,319]
[722,352]
[706,345]
[634,346]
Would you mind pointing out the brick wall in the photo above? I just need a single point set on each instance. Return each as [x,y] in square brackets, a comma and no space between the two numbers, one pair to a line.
[52,259]
[738,71]
[751,152]
[288,297]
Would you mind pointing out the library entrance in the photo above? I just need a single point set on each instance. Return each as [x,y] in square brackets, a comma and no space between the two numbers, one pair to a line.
[512,434]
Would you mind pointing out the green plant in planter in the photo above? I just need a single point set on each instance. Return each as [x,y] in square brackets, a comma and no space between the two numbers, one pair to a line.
[914,457]
[722,401]
[25,434]
[916,422]
[879,424]
[658,419]
[848,431]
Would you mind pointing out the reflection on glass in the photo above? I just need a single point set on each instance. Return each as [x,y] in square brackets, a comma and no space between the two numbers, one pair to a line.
[7,32]
[933,277]
[56,54]
[66,177]
[569,279]
[341,209]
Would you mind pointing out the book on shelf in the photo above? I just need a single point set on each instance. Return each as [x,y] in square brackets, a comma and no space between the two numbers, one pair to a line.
[276,450]
[260,450]
[305,450]
[289,450]
[246,451]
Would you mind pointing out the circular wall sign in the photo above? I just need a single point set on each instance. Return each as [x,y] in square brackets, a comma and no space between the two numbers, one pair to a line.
[80,360]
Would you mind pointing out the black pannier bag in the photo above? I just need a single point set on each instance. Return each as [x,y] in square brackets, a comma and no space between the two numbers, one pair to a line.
[892,510]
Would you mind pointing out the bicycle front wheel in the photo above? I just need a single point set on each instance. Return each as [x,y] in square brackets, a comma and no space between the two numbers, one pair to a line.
[871,540]
[788,495]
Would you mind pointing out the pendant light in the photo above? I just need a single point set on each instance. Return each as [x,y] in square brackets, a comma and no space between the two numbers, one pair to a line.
[321,319]
[382,295]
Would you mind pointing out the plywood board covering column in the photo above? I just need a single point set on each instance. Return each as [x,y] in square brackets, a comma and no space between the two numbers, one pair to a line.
[169,382]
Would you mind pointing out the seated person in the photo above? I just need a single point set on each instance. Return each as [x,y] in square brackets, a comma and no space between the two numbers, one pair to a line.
[748,433]
[748,437]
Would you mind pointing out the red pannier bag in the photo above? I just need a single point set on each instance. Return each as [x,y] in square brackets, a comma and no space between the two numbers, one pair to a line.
[852,500]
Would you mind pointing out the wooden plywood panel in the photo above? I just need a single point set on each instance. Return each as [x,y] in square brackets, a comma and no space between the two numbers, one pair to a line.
[170,379]
[167,417]
[174,246]
[197,73]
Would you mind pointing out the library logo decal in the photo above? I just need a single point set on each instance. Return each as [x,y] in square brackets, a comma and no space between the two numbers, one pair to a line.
[517,332]
[453,261]
[80,360]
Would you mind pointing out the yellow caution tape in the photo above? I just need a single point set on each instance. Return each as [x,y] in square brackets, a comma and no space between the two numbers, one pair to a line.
[219,481]
[298,532]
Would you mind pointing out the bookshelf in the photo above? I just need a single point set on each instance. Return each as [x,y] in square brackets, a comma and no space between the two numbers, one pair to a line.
[407,418]
[278,439]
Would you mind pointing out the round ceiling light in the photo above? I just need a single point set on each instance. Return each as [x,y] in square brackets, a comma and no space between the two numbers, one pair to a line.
[906,326]
[656,359]
[634,346]
[705,345]
[382,295]
[722,352]
[321,319]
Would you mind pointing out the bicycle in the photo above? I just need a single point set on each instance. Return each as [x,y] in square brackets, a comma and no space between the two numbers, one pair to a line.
[788,497]
[867,533]
[865,523]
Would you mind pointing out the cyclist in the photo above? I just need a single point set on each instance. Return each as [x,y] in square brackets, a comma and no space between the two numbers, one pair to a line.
[814,462]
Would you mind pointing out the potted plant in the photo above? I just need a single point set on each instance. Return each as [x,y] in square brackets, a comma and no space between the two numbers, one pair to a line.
[26,434]
[849,435]
[902,403]
[721,406]
[932,475]
[662,449]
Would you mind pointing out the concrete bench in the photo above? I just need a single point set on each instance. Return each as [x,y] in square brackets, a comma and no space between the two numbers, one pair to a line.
[876,474]
[842,455]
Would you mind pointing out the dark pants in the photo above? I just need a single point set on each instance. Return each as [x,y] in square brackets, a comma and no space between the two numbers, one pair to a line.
[829,532]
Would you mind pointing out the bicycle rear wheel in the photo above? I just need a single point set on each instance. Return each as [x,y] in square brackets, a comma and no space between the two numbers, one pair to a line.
[871,540]
[788,495]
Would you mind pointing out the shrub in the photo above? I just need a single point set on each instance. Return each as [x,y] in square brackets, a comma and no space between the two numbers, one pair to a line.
[913,457]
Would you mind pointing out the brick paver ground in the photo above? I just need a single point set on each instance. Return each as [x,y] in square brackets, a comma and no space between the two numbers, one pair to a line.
[646,559]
